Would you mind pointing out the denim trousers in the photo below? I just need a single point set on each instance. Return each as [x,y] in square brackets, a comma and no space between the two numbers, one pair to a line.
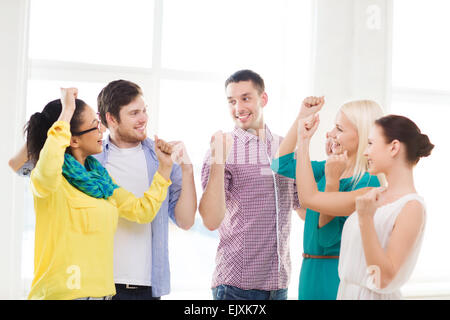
[226,292]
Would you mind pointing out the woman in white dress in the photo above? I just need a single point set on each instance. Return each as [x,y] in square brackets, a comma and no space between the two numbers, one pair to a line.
[382,239]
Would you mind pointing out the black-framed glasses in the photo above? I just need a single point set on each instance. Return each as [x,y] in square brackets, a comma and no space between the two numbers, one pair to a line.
[99,125]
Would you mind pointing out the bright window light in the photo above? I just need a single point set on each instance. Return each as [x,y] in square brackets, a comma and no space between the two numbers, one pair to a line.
[41,92]
[109,32]
[202,43]
[222,35]
[421,92]
[418,29]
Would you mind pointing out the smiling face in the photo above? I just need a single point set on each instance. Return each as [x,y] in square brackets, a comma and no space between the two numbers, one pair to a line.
[377,151]
[246,105]
[132,127]
[344,136]
[88,138]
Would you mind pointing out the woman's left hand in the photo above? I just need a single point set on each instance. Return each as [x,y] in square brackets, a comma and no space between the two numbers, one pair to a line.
[367,204]
[68,97]
[311,105]
[335,167]
[307,127]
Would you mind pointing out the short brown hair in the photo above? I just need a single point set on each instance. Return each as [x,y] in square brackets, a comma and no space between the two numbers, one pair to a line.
[114,96]
[247,75]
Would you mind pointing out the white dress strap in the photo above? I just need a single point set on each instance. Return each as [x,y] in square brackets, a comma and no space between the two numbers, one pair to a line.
[401,202]
[413,196]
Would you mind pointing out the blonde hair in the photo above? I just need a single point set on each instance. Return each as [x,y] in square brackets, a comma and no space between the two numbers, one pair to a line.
[362,114]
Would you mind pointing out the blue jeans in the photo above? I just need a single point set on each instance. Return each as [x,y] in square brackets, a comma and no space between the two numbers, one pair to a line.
[226,292]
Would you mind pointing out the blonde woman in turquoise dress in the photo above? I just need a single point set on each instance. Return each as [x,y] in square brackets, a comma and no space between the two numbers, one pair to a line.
[344,170]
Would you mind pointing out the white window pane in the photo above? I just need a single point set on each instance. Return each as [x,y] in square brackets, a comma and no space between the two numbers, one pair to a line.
[192,262]
[28,241]
[227,35]
[430,176]
[420,53]
[109,32]
[193,112]
[41,92]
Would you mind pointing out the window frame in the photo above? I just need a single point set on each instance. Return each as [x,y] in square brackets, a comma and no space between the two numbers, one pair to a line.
[148,78]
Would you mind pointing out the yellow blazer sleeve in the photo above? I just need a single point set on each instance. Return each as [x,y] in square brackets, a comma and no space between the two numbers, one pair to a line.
[142,210]
[46,177]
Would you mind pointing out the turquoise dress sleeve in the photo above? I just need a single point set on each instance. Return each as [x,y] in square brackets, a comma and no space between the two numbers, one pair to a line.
[318,169]
[286,165]
[330,234]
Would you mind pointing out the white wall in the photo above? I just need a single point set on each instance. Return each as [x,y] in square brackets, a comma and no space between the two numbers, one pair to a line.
[351,60]
[352,56]
[13,75]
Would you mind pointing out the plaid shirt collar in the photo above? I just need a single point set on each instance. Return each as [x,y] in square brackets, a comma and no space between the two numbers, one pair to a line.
[246,135]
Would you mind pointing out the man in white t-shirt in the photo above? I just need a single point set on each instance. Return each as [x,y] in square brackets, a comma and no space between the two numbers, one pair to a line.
[141,259]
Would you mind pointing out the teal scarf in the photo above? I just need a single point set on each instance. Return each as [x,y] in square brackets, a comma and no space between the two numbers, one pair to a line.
[92,178]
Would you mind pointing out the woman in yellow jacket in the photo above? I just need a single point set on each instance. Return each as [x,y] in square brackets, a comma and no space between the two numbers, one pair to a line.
[76,202]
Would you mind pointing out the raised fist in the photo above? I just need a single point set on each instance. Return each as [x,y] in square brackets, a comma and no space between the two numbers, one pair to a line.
[307,126]
[163,151]
[220,144]
[311,105]
[179,154]
[335,166]
[68,96]
[367,204]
